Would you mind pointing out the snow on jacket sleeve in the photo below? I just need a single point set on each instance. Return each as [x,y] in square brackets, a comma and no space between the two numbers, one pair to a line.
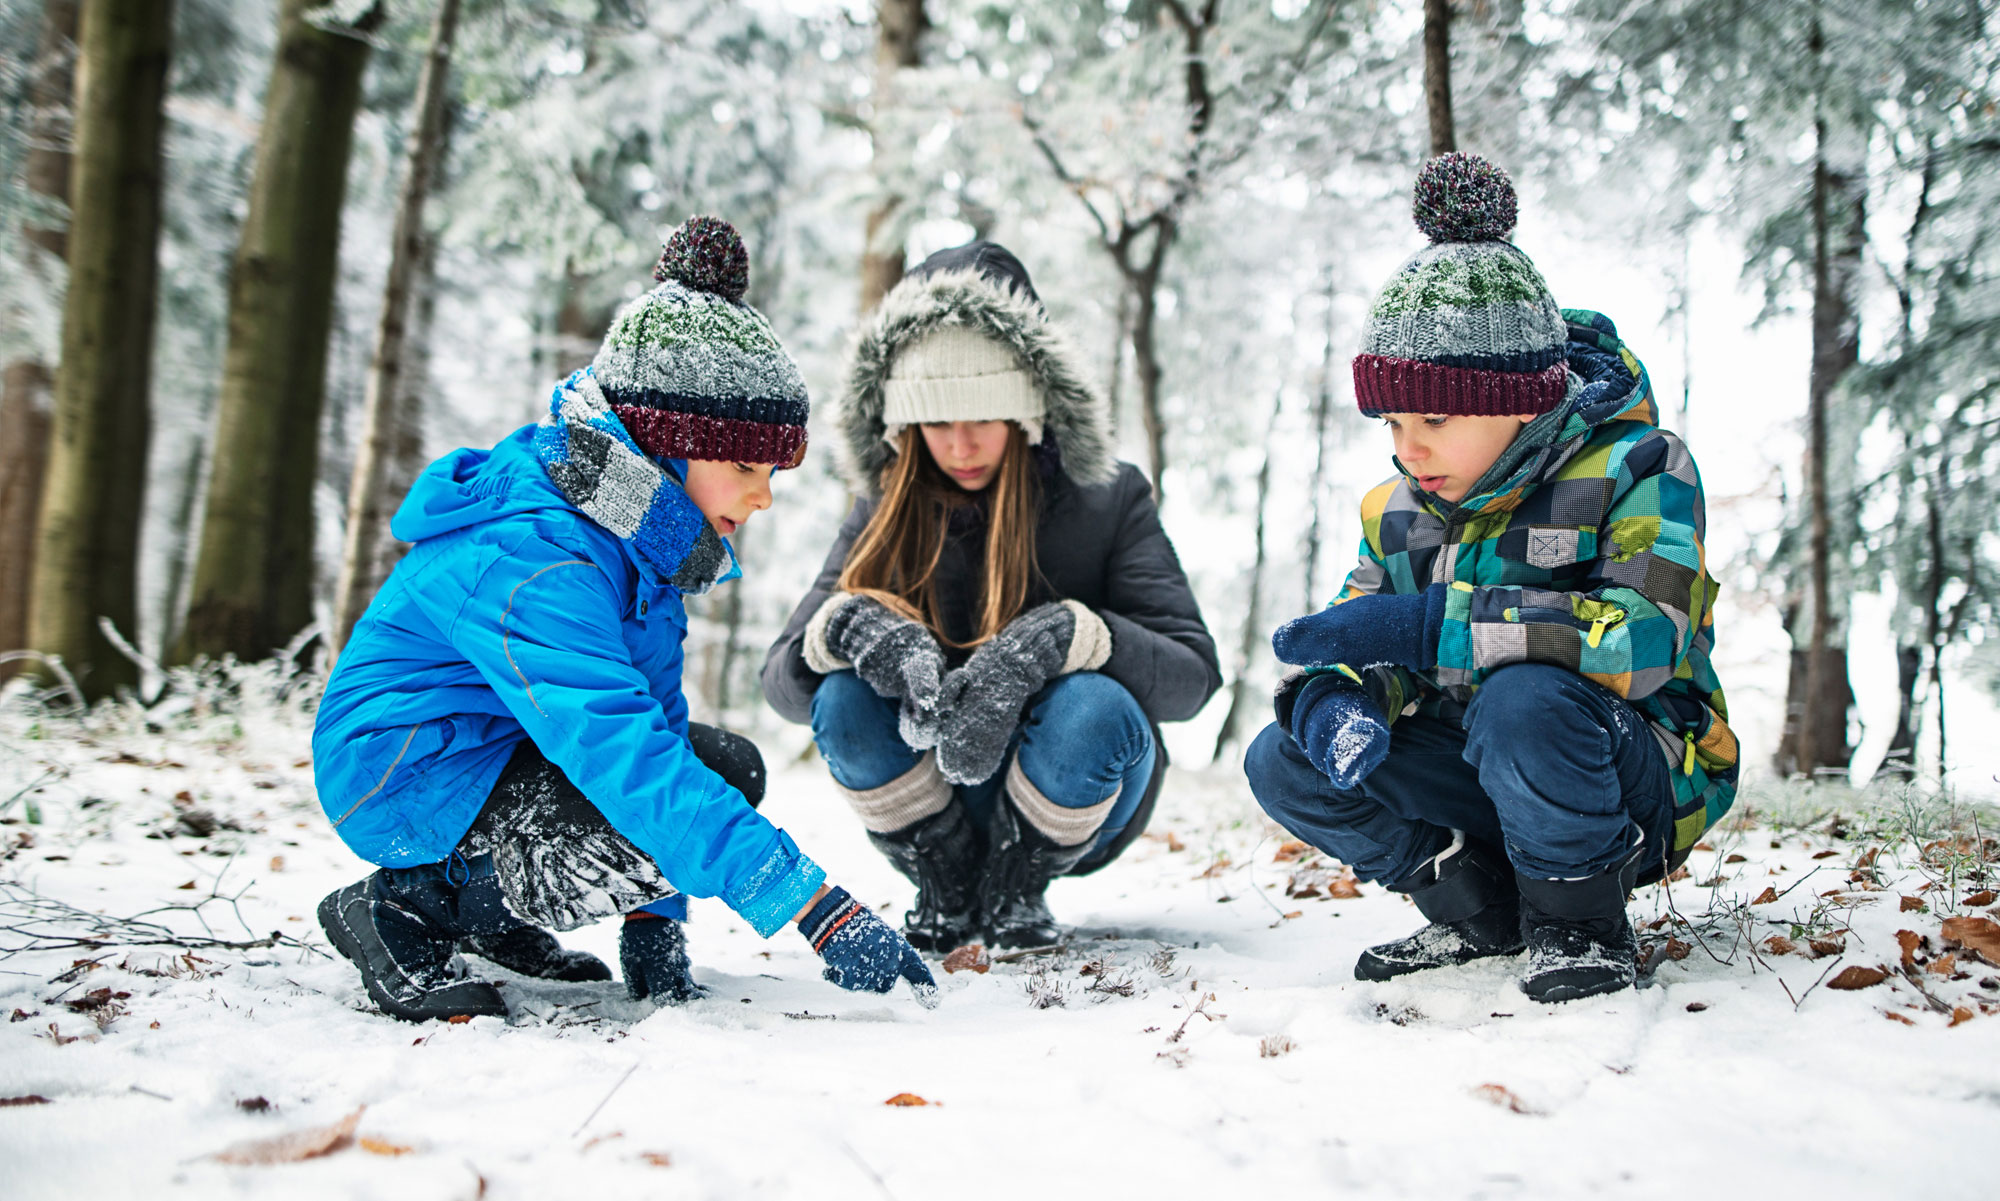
[789,683]
[1161,650]
[1646,590]
[542,627]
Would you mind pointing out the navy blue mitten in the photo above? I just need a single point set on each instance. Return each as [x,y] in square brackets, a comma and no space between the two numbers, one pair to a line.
[652,952]
[861,952]
[1340,729]
[1367,630]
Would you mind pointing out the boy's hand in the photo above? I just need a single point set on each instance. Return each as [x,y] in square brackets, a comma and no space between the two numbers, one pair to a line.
[1367,630]
[861,952]
[1340,730]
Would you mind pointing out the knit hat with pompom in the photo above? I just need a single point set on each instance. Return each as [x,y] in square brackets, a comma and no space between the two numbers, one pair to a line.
[691,371]
[1467,325]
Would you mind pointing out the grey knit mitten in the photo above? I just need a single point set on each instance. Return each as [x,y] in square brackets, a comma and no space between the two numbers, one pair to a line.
[982,700]
[893,655]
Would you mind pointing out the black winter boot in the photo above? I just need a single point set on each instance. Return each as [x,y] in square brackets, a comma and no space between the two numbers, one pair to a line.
[525,949]
[397,927]
[941,855]
[1580,943]
[652,953]
[1019,867]
[1469,896]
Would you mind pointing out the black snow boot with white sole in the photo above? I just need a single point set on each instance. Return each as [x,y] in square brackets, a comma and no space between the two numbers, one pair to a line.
[1475,913]
[1580,943]
[403,952]
[940,854]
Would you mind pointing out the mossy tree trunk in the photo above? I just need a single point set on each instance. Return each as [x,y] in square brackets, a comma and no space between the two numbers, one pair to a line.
[87,538]
[253,576]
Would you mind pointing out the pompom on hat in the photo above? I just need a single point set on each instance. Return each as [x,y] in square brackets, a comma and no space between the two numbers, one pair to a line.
[691,371]
[1467,326]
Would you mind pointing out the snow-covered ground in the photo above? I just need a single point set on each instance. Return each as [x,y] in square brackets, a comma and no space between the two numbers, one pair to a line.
[1201,1036]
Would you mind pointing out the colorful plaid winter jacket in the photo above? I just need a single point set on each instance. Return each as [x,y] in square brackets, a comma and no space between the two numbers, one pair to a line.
[1589,557]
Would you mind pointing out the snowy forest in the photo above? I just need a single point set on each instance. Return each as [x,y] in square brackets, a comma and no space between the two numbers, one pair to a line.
[262,261]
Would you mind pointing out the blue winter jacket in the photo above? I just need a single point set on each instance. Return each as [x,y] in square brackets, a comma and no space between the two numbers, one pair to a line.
[516,616]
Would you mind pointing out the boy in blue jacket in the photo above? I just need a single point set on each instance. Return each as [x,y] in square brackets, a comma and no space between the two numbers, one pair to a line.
[505,731]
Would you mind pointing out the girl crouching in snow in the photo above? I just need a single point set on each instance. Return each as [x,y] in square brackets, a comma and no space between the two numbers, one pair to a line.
[1001,622]
[505,732]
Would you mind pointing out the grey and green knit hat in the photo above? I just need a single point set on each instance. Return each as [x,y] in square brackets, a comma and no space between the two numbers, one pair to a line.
[1467,325]
[691,371]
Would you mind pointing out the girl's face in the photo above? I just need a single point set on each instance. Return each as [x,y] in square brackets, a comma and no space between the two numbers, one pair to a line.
[967,451]
[1448,454]
[728,493]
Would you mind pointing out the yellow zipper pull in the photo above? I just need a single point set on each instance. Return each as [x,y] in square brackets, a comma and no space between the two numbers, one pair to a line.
[1687,764]
[1604,623]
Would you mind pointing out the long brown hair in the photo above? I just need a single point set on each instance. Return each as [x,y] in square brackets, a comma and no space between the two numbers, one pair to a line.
[895,558]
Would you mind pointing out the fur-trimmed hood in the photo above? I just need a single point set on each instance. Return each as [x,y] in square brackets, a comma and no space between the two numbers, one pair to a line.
[1077,420]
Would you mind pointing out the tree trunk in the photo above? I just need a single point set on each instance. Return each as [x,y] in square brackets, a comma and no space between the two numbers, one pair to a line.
[1437,75]
[25,383]
[187,490]
[253,576]
[1316,482]
[87,544]
[369,501]
[1253,630]
[1143,281]
[899,26]
[1838,195]
[1901,757]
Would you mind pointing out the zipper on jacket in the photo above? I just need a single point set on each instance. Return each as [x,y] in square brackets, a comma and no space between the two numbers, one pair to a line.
[1687,764]
[1603,623]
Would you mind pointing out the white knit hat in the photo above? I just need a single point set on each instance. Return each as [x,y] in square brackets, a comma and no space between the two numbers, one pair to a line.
[955,374]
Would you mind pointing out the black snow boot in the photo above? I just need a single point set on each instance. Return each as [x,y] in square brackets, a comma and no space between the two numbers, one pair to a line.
[399,927]
[526,949]
[653,955]
[1019,867]
[1475,913]
[1580,943]
[941,855]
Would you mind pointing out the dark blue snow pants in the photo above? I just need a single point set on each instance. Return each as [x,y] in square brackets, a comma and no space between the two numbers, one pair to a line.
[1556,770]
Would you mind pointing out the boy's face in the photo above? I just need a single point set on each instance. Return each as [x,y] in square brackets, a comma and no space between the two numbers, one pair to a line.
[1448,454]
[728,493]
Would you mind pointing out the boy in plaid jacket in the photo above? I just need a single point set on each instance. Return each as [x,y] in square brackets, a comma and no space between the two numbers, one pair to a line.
[1508,712]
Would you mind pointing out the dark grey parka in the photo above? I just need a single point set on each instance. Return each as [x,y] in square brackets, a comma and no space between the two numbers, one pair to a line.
[1098,540]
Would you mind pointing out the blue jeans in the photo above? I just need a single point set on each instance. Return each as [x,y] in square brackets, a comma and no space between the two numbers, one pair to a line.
[1083,737]
[1555,769]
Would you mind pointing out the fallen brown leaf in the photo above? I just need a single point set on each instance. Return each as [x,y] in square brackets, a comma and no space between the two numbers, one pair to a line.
[1174,842]
[1736,858]
[1505,1098]
[968,958]
[1290,851]
[659,1159]
[1912,905]
[1704,846]
[1984,896]
[1897,1017]
[1680,873]
[1825,855]
[1344,886]
[1766,897]
[458,1019]
[188,887]
[1778,944]
[1911,942]
[1822,947]
[1943,965]
[377,1146]
[1852,979]
[1960,1016]
[1980,935]
[296,1146]
[1215,869]
[28,1099]
[277,863]
[906,1099]
[253,1105]
[1676,949]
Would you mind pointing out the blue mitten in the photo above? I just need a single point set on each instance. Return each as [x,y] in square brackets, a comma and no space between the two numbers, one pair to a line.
[1339,729]
[652,952]
[861,952]
[1382,628]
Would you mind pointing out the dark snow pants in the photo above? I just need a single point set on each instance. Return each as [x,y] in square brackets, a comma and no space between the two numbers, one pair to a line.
[1559,772]
[560,862]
